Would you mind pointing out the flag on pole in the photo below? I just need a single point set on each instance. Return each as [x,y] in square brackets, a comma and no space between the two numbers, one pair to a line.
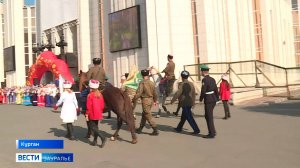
[134,78]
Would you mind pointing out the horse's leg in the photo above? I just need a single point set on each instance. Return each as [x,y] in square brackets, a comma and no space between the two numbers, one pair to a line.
[134,137]
[119,125]
[163,103]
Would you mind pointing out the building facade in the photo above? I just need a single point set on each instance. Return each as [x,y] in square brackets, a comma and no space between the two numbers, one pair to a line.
[194,31]
[18,37]
[2,74]
[235,31]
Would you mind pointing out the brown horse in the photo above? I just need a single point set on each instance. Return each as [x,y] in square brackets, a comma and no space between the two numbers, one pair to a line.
[120,103]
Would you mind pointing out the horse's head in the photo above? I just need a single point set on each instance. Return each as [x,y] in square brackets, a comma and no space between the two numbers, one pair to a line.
[153,70]
[155,74]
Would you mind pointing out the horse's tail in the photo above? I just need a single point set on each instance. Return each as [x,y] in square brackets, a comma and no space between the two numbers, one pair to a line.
[129,118]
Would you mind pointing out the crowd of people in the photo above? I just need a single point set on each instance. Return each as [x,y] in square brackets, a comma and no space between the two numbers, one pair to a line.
[42,95]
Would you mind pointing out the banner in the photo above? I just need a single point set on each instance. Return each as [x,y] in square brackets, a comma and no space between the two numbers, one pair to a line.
[134,78]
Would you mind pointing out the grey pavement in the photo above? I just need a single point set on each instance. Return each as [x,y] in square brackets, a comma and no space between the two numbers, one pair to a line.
[264,136]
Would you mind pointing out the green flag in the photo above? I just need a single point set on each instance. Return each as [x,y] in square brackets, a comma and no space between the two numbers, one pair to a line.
[134,78]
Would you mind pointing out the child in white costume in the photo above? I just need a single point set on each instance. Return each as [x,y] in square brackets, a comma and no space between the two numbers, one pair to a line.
[69,108]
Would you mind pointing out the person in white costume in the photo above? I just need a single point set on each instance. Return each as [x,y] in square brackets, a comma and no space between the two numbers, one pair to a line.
[69,108]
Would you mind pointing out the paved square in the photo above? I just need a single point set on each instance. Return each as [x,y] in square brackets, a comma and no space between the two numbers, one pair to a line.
[265,136]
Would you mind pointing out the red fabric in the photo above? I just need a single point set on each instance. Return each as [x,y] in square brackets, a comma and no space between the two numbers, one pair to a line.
[1,97]
[4,98]
[48,61]
[95,107]
[41,101]
[55,107]
[224,91]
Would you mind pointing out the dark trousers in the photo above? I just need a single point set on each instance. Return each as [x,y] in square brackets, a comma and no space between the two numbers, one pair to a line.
[209,117]
[10,98]
[95,129]
[89,133]
[187,115]
[170,83]
[83,103]
[70,130]
[226,107]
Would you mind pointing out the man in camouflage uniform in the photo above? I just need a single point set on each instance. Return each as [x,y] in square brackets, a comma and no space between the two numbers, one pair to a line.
[146,91]
[97,72]
[169,74]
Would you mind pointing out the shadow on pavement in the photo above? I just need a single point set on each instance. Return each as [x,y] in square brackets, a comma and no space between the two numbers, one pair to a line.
[112,122]
[79,133]
[289,108]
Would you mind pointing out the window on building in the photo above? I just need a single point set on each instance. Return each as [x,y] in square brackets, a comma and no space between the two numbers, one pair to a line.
[34,57]
[26,37]
[25,22]
[295,4]
[33,12]
[26,70]
[27,58]
[32,21]
[25,12]
[258,29]
[33,38]
[296,29]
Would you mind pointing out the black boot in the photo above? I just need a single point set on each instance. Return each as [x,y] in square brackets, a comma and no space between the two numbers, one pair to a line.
[71,132]
[228,115]
[158,114]
[165,109]
[88,135]
[103,139]
[177,110]
[108,115]
[139,130]
[155,131]
[68,131]
[94,143]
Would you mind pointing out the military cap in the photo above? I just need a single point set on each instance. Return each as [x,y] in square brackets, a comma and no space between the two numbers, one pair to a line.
[170,56]
[126,75]
[96,61]
[145,72]
[204,67]
[106,77]
[185,74]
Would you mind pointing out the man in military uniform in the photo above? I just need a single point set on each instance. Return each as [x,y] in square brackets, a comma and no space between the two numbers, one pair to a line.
[210,94]
[169,74]
[97,72]
[186,96]
[146,91]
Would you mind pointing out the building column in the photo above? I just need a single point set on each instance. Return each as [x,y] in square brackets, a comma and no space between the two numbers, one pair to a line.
[18,29]
[1,49]
[84,35]
[68,38]
[29,36]
[55,37]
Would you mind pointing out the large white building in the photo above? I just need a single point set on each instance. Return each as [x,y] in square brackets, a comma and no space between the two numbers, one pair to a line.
[17,39]
[194,31]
